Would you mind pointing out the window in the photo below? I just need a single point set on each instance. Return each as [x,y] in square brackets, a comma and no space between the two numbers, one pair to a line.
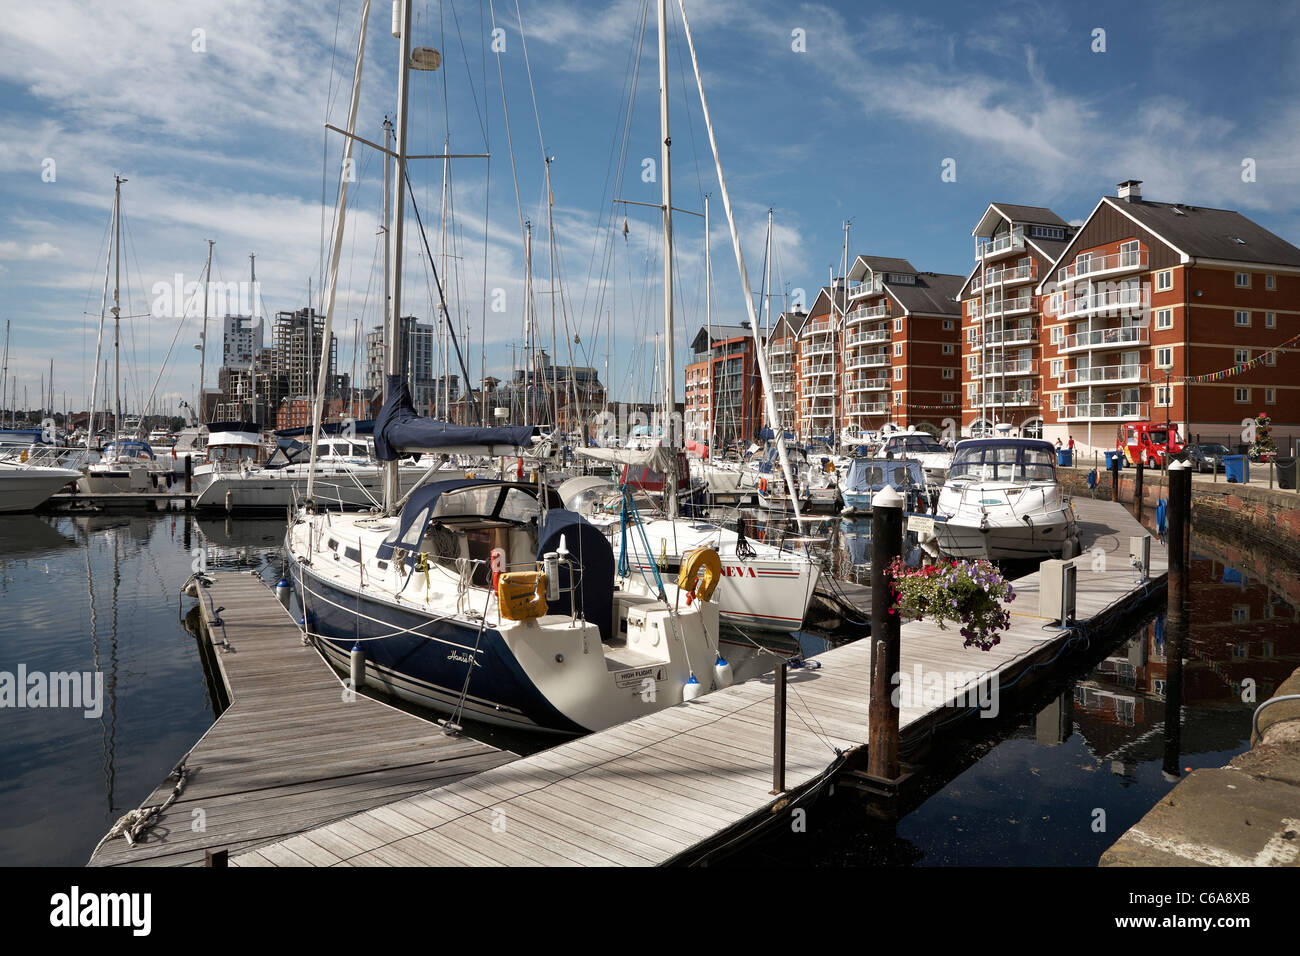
[1270,320]
[1165,357]
[1242,317]
[1047,232]
[1164,318]
[948,373]
[1164,395]
[1243,280]
[971,391]
[970,336]
[947,325]
[949,398]
[1240,356]
[1270,283]
[949,348]
[1058,367]
[1241,396]
[1268,358]
[898,374]
[972,363]
[1268,396]
[1165,280]
[1058,335]
[1058,401]
[898,398]
[898,325]
[1128,253]
[898,350]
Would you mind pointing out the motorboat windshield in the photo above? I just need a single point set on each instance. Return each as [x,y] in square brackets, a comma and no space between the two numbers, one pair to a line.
[1011,460]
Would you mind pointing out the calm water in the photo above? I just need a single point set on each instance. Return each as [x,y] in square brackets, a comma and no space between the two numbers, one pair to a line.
[101,593]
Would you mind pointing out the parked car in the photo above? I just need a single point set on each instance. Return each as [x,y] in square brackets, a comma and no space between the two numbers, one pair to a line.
[1207,456]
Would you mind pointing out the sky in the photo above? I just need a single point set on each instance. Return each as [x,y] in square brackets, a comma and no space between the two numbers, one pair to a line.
[214,111]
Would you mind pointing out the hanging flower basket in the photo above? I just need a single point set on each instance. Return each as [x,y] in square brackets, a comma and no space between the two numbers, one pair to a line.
[972,593]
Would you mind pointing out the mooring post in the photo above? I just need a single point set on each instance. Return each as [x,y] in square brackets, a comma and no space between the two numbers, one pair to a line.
[1114,476]
[1176,608]
[778,729]
[189,474]
[886,545]
[216,857]
[1137,491]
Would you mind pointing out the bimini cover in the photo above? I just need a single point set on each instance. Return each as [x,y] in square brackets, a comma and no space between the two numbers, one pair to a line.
[400,430]
[872,474]
[515,501]
[591,551]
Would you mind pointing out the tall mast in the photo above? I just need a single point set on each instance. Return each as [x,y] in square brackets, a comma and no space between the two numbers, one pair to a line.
[388,233]
[708,324]
[528,322]
[203,352]
[666,178]
[117,308]
[392,365]
[4,371]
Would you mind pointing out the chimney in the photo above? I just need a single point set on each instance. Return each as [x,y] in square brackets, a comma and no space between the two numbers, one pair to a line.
[1130,190]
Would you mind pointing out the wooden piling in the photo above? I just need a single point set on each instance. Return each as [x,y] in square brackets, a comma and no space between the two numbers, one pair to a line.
[886,545]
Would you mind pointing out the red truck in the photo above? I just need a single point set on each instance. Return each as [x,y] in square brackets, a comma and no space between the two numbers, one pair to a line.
[1149,442]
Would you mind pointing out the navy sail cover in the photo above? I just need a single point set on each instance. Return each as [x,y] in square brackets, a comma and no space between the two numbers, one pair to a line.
[400,430]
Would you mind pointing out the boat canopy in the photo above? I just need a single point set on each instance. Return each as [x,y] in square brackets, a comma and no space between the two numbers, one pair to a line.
[484,498]
[1004,459]
[400,430]
[872,474]
[656,458]
[589,590]
[127,449]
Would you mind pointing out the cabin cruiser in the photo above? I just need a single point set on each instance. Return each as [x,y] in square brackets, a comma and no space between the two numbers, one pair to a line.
[26,485]
[129,465]
[1002,500]
[866,476]
[924,447]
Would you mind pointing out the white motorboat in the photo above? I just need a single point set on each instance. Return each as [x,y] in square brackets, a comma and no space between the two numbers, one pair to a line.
[25,486]
[1002,500]
[934,458]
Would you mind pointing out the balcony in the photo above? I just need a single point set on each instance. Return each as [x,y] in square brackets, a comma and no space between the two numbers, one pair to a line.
[988,249]
[999,278]
[867,338]
[867,361]
[818,369]
[1112,338]
[1019,367]
[1022,303]
[1114,374]
[1119,302]
[868,385]
[874,286]
[783,347]
[1115,264]
[818,348]
[1021,396]
[867,315]
[1009,337]
[868,408]
[1106,412]
[780,365]
[814,391]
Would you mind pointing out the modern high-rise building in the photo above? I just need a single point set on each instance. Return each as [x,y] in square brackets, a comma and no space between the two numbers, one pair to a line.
[297,340]
[416,340]
[724,379]
[241,341]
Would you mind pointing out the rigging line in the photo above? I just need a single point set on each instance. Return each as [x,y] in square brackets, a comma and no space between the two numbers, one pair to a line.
[451,326]
[479,111]
[324,153]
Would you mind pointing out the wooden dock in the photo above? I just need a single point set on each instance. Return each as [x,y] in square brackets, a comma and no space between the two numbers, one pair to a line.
[290,753]
[678,785]
[159,500]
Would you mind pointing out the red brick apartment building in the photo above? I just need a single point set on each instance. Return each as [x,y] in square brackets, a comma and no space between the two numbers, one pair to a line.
[724,375]
[901,338]
[817,359]
[1146,293]
[1015,248]
[783,367]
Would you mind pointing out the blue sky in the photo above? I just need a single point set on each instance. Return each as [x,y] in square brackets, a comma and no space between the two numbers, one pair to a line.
[226,142]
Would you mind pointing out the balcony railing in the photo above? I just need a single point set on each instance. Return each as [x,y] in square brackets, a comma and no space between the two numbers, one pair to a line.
[866,315]
[818,348]
[873,286]
[1021,396]
[1115,302]
[1007,306]
[1018,367]
[1106,338]
[818,368]
[868,408]
[813,391]
[1105,411]
[783,347]
[1002,277]
[990,248]
[867,338]
[868,384]
[1102,265]
[867,361]
[1009,337]
[1105,373]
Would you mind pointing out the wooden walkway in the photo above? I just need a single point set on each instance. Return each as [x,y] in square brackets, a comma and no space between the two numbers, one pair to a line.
[669,786]
[290,753]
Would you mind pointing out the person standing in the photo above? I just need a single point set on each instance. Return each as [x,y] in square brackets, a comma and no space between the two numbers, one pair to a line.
[1072,444]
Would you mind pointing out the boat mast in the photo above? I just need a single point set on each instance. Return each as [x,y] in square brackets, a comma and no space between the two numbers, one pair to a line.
[666,178]
[388,232]
[4,372]
[203,351]
[708,324]
[392,366]
[740,266]
[529,416]
[117,309]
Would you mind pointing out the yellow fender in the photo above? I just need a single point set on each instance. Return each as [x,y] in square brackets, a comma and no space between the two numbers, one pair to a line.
[694,562]
[421,564]
[521,595]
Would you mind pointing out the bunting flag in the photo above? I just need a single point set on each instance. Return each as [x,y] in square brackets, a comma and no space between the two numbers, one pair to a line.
[1238,369]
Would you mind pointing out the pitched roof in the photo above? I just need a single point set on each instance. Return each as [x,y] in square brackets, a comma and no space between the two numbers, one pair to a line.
[792,320]
[878,264]
[1038,214]
[934,292]
[721,333]
[1206,233]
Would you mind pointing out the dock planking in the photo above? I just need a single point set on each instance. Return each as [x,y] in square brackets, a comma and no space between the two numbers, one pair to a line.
[290,753]
[668,786]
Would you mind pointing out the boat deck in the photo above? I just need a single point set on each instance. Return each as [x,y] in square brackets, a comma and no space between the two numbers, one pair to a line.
[677,785]
[290,753]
